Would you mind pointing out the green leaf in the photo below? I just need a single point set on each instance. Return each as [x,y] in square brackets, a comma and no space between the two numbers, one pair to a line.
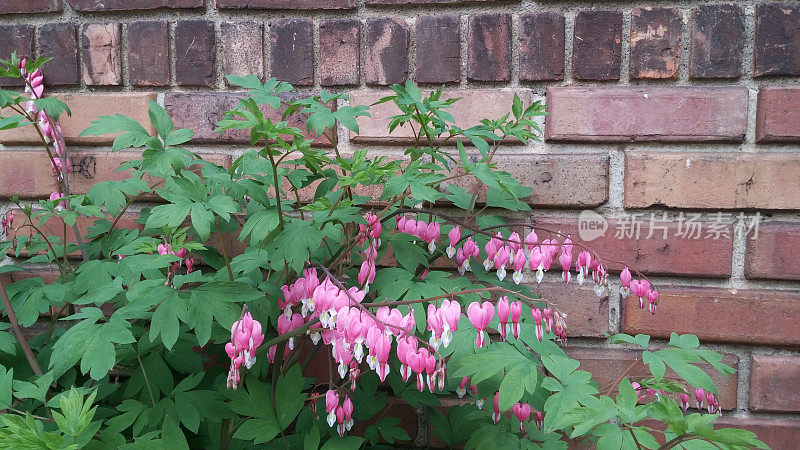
[289,399]
[160,120]
[512,388]
[311,440]
[642,340]
[165,320]
[133,134]
[53,106]
[294,244]
[173,436]
[6,379]
[202,218]
[343,443]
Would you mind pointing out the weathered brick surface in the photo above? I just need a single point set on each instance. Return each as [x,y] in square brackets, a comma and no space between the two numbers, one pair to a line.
[772,254]
[606,365]
[127,5]
[148,53]
[777,45]
[86,108]
[15,38]
[489,47]
[29,6]
[473,106]
[777,434]
[719,315]
[712,180]
[438,49]
[587,314]
[339,52]
[200,111]
[655,42]
[652,253]
[541,46]
[597,45]
[778,114]
[667,114]
[284,4]
[292,51]
[717,41]
[60,42]
[386,54]
[28,173]
[101,54]
[242,48]
[428,2]
[194,53]
[559,181]
[775,383]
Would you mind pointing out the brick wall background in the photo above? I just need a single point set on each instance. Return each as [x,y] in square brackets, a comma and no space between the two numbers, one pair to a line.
[671,108]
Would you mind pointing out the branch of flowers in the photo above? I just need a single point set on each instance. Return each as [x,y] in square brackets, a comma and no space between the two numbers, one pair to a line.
[18,331]
[528,300]
[285,337]
[624,373]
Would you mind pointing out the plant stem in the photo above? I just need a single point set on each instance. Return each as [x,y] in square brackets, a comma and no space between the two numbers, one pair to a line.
[18,331]
[224,250]
[624,373]
[146,380]
[277,187]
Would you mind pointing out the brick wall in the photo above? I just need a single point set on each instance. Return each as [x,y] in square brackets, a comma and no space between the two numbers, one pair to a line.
[673,110]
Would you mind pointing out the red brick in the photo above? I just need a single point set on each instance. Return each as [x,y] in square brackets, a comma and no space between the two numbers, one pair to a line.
[28,173]
[777,434]
[586,313]
[293,51]
[473,106]
[339,52]
[438,49]
[541,46]
[558,181]
[128,5]
[15,38]
[429,2]
[666,114]
[386,54]
[285,4]
[678,254]
[148,53]
[194,53]
[778,114]
[712,180]
[100,54]
[597,45]
[60,42]
[242,48]
[717,41]
[777,45]
[775,383]
[772,254]
[719,315]
[489,47]
[655,42]
[200,111]
[606,365]
[86,108]
[30,6]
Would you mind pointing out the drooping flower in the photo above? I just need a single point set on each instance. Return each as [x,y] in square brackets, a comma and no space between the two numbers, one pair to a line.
[625,281]
[583,265]
[699,395]
[496,406]
[684,397]
[537,320]
[501,259]
[454,236]
[515,311]
[522,411]
[479,316]
[57,196]
[502,317]
[519,266]
[331,403]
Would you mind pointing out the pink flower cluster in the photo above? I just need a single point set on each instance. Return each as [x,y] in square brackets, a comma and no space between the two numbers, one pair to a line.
[246,337]
[340,414]
[700,395]
[57,196]
[639,288]
[5,223]
[523,411]
[166,249]
[427,232]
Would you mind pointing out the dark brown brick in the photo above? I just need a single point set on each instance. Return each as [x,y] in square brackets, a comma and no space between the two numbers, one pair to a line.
[292,53]
[429,2]
[597,45]
[750,317]
[15,38]
[285,4]
[777,47]
[129,5]
[717,41]
[587,314]
[489,47]
[242,48]
[541,46]
[655,43]
[386,55]
[775,383]
[778,114]
[148,53]
[194,53]
[101,61]
[60,42]
[29,6]
[772,254]
[438,49]
[339,52]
